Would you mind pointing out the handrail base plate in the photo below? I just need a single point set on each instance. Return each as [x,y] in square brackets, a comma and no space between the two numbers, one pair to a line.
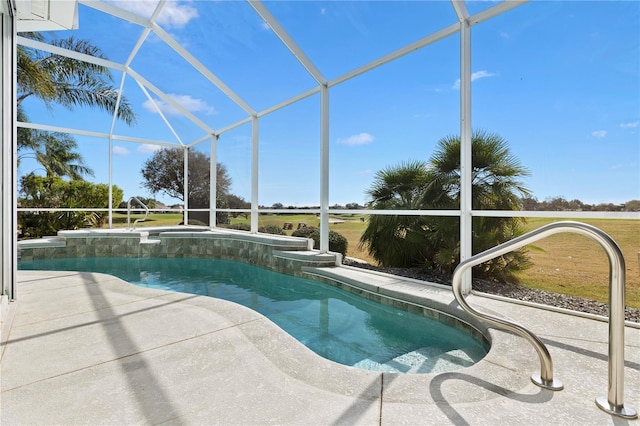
[626,412]
[554,384]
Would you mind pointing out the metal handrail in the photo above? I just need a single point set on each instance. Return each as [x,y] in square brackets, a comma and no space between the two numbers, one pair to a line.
[129,213]
[613,403]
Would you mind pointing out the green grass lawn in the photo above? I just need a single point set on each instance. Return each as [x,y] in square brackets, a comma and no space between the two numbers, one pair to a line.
[576,265]
[154,219]
[563,263]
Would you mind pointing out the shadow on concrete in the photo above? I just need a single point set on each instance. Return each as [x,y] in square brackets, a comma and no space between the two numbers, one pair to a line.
[25,281]
[435,388]
[142,381]
[355,410]
[587,352]
[113,319]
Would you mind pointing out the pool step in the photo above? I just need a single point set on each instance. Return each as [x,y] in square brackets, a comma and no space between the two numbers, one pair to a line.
[310,256]
[151,240]
[425,360]
[44,242]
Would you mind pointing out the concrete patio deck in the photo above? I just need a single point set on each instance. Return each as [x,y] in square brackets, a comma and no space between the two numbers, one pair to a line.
[88,348]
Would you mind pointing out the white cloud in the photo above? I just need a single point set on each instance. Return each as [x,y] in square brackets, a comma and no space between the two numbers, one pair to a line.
[264,26]
[504,35]
[118,150]
[186,101]
[359,139]
[174,14]
[323,10]
[599,133]
[475,76]
[149,148]
[630,125]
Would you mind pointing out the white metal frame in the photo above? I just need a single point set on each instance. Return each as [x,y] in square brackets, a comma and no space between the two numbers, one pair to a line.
[462,27]
[465,139]
[8,151]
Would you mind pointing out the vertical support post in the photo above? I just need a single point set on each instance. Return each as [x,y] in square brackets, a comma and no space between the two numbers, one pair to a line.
[254,173]
[213,181]
[324,168]
[185,189]
[8,153]
[11,23]
[5,164]
[465,151]
[110,181]
[113,125]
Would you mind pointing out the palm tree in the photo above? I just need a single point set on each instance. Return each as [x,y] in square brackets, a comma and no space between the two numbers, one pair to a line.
[495,174]
[67,81]
[55,151]
[434,241]
[495,185]
[25,136]
[397,240]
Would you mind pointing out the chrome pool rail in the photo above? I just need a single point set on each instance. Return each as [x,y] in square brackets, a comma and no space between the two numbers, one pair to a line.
[613,403]
[129,213]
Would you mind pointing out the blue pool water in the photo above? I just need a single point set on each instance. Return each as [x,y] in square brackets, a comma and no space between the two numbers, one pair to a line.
[334,323]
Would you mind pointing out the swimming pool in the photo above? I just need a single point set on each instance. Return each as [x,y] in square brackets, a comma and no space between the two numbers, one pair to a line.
[332,322]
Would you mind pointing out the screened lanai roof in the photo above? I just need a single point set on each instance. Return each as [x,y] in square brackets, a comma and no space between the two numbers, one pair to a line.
[193,69]
[176,55]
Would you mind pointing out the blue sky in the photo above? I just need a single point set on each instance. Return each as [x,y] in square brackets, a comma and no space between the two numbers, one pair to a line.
[558,80]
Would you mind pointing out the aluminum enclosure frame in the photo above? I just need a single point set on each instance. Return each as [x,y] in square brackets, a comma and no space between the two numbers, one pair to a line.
[8,152]
[149,25]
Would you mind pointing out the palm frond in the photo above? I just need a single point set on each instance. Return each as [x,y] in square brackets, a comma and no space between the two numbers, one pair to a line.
[68,81]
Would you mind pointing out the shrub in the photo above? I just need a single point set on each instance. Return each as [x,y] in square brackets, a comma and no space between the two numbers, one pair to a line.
[39,191]
[267,229]
[271,229]
[304,232]
[337,242]
[195,222]
[238,226]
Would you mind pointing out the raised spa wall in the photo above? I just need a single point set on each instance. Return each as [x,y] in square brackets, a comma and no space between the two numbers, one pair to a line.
[279,253]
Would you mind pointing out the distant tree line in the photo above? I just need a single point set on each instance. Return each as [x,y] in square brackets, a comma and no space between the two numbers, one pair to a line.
[280,206]
[562,204]
[528,203]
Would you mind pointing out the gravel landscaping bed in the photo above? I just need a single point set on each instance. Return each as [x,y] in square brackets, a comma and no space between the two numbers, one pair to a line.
[513,291]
